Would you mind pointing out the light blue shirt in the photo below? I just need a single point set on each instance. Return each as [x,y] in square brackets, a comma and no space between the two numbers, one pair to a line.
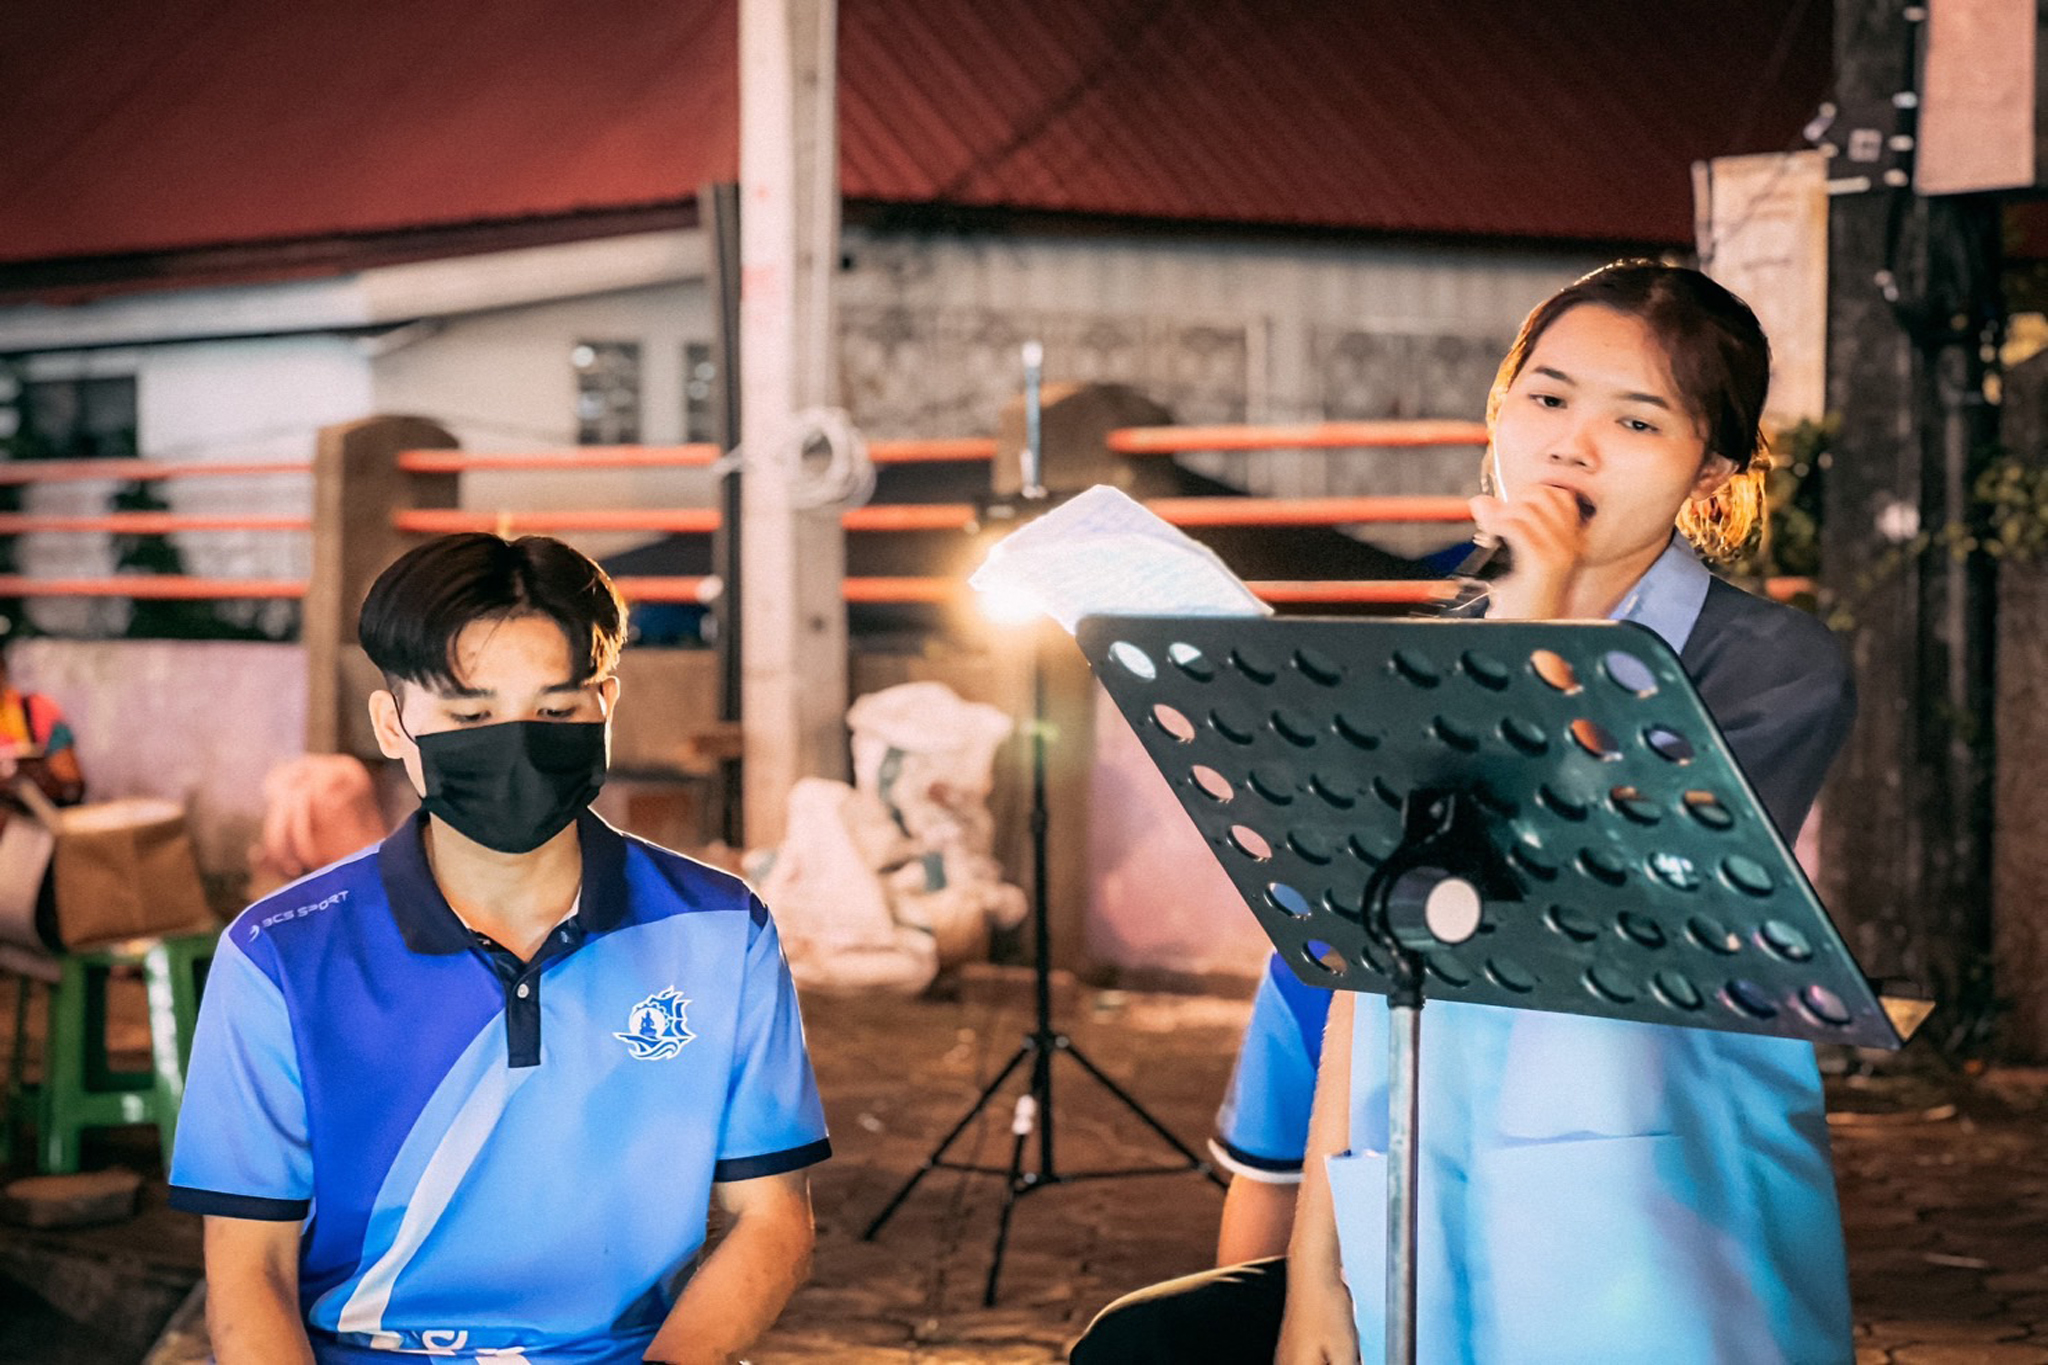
[1262,1127]
[1669,595]
[1594,1190]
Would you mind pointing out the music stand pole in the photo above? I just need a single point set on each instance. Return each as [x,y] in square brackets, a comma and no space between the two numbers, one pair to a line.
[1404,1121]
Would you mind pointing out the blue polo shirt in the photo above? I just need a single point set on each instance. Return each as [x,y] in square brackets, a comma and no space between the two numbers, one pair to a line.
[492,1156]
[1262,1128]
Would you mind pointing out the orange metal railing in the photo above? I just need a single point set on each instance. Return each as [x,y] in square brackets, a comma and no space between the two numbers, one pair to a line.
[965,449]
[942,517]
[15,473]
[153,587]
[1305,436]
[143,523]
[1269,512]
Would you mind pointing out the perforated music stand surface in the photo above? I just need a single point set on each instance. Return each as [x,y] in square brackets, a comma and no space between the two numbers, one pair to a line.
[1630,870]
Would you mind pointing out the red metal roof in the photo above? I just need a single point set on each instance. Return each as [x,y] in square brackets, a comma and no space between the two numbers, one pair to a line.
[1549,119]
[133,127]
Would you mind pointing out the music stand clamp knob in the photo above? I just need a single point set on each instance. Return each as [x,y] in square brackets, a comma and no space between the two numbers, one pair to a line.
[1428,907]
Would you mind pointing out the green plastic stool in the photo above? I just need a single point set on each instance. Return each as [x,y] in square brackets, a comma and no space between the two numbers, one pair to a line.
[80,1089]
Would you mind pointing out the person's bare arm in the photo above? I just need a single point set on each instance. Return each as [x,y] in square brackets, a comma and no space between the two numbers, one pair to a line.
[741,1288]
[252,1292]
[1257,1217]
[1317,1328]
[61,779]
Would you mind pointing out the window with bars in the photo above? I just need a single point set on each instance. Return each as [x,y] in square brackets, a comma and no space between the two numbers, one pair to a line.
[68,419]
[607,392]
[700,393]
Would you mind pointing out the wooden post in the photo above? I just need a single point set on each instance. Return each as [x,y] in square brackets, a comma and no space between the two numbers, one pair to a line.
[1905,850]
[793,637]
[357,486]
[2019,901]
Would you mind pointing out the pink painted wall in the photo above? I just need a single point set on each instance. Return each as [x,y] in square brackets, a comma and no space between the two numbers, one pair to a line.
[1157,898]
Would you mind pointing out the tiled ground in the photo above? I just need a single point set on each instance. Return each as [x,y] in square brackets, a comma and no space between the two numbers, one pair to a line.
[1945,1187]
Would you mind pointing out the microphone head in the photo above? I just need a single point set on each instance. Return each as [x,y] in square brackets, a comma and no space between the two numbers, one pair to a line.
[1489,560]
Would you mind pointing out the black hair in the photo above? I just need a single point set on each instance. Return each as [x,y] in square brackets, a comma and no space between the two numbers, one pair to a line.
[421,603]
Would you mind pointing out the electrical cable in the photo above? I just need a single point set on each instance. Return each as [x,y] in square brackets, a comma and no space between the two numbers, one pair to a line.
[846,478]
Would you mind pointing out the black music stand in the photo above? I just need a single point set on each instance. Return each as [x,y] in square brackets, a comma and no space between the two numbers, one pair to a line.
[1534,815]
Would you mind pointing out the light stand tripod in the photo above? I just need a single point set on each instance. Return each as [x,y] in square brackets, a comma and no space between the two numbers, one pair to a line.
[1034,1108]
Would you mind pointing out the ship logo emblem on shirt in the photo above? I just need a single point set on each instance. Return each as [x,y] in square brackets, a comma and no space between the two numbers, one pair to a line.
[657,1027]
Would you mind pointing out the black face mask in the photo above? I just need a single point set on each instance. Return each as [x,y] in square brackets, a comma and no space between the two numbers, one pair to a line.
[515,785]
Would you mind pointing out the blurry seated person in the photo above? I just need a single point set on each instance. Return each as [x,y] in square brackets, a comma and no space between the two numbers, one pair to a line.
[36,745]
[36,749]
[317,809]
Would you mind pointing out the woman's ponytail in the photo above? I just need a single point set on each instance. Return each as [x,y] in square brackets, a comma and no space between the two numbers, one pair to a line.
[1726,526]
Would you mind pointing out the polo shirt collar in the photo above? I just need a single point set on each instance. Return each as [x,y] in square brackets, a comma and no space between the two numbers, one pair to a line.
[429,925]
[1669,595]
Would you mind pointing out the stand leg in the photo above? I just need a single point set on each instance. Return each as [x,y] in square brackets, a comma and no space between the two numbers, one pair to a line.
[1023,1119]
[1034,1111]
[931,1161]
[1195,1160]
[1404,1114]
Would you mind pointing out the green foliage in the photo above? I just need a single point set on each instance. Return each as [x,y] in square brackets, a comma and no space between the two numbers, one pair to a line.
[2005,519]
[2014,497]
[1790,544]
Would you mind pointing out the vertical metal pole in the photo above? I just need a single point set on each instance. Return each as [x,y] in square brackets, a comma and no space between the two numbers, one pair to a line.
[1041,910]
[1404,1119]
[1032,486]
[718,218]
[1032,481]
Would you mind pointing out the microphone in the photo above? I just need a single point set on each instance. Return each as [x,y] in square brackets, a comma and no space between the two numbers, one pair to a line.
[1489,560]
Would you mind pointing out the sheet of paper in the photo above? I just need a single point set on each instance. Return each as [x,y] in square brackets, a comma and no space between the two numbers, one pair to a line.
[1104,553]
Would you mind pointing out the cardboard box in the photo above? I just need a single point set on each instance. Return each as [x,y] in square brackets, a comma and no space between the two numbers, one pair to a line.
[126,869]
[122,869]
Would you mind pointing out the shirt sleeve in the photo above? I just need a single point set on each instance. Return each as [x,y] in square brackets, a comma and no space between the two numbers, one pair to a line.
[1779,686]
[47,728]
[1787,729]
[242,1148]
[1262,1129]
[774,1121]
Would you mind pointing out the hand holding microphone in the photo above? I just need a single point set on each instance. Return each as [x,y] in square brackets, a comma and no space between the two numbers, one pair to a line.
[1540,538]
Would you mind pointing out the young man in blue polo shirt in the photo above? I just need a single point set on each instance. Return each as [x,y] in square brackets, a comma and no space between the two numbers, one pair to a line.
[470,1092]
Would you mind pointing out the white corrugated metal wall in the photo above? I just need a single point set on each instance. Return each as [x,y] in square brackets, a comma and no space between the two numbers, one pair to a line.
[1218,331]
